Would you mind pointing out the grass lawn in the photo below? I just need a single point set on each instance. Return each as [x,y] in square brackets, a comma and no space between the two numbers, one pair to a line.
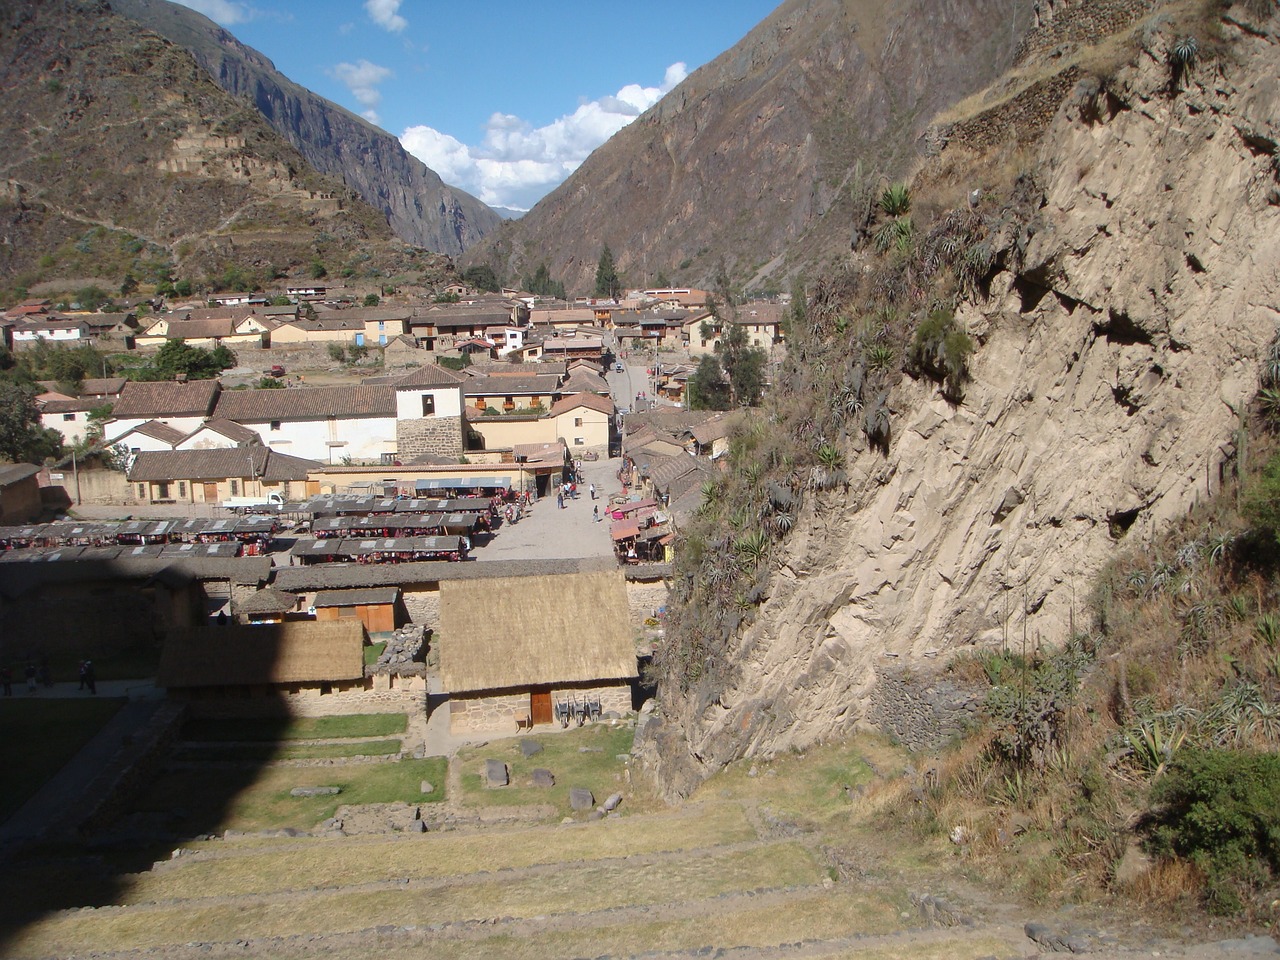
[297,728]
[258,752]
[372,652]
[38,737]
[216,799]
[579,758]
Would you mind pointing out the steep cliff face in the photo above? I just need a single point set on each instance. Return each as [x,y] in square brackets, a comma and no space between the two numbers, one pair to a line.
[1110,378]
[755,150]
[420,208]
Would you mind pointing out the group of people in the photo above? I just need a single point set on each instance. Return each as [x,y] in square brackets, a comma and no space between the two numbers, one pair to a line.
[39,675]
[570,489]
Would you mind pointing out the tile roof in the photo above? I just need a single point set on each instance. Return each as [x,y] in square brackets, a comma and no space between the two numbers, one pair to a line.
[306,403]
[429,375]
[229,429]
[504,386]
[72,405]
[218,464]
[591,401]
[166,399]
[157,431]
[356,597]
[102,386]
[585,381]
[13,472]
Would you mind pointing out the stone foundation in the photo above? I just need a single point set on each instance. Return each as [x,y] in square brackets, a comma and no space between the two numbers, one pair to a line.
[496,711]
[439,436]
[373,695]
[921,712]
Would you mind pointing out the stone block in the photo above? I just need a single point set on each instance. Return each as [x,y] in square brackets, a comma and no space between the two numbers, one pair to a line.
[580,798]
[529,747]
[315,791]
[496,774]
[542,777]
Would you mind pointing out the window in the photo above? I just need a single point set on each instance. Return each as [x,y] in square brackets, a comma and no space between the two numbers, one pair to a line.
[182,489]
[275,424]
[235,488]
[162,490]
[428,404]
[579,441]
[69,416]
[142,490]
[577,421]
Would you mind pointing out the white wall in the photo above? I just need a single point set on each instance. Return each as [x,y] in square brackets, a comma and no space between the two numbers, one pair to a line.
[72,430]
[329,441]
[409,402]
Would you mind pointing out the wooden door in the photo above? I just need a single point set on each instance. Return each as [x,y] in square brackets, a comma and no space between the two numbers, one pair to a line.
[540,705]
[210,493]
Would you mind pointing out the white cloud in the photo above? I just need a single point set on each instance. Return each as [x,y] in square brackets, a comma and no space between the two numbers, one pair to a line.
[517,164]
[386,14]
[362,79]
[224,12]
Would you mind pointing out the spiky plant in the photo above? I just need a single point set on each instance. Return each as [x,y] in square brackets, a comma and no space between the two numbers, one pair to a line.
[752,547]
[880,356]
[896,200]
[830,457]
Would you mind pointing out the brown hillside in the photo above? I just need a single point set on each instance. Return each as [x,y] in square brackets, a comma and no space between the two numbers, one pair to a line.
[123,157]
[757,149]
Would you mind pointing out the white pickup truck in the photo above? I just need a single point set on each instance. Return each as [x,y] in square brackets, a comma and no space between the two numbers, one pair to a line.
[271,501]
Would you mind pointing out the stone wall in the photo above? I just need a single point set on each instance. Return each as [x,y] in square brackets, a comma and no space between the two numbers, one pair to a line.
[644,599]
[497,710]
[133,766]
[440,436]
[922,712]
[422,600]
[1068,23]
[372,695]
[1023,118]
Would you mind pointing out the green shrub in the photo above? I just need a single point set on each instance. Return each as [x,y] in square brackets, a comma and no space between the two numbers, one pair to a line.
[1220,809]
[941,350]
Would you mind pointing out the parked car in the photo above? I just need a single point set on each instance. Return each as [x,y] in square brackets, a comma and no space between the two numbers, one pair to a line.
[619,367]
[276,371]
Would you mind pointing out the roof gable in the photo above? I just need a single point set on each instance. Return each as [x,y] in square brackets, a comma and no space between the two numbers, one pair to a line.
[150,401]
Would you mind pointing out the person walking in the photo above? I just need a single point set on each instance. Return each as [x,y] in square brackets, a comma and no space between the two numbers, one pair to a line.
[592,489]
[6,679]
[595,514]
[560,500]
[83,667]
[90,677]
[31,677]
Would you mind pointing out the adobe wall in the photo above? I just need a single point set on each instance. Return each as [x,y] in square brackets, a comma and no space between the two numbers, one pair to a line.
[497,711]
[96,486]
[439,436]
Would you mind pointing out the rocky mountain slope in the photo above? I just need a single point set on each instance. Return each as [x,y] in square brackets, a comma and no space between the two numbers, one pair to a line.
[123,158]
[1116,354]
[755,151]
[419,206]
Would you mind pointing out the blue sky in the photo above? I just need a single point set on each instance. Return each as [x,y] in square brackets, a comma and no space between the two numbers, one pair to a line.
[501,98]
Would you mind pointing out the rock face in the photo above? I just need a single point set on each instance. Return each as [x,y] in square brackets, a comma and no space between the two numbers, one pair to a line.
[1110,379]
[751,157]
[420,208]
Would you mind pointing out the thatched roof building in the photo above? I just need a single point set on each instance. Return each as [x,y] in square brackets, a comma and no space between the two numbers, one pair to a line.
[520,632]
[302,652]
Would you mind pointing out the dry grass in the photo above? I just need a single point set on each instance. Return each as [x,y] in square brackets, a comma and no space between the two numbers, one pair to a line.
[256,865]
[583,889]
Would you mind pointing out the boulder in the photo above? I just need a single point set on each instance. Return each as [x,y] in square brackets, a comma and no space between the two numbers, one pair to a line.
[611,804]
[496,774]
[529,747]
[542,777]
[580,798]
[426,786]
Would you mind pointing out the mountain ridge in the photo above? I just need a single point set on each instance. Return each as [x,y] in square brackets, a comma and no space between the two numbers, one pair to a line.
[420,208]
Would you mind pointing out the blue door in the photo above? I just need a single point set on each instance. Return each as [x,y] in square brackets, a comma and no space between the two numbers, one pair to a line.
[359,339]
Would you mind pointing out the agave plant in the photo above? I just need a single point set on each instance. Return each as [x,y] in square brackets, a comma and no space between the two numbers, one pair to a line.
[896,200]
[1156,740]
[1271,363]
[752,547]
[880,356]
[830,457]
[1266,629]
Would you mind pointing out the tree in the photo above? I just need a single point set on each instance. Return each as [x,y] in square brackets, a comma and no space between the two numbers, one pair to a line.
[482,277]
[543,285]
[22,439]
[744,365]
[608,283]
[318,270]
[372,300]
[197,363]
[707,387]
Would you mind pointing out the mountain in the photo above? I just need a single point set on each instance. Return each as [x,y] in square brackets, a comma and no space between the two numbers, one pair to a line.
[419,206]
[754,155]
[1108,297]
[123,158]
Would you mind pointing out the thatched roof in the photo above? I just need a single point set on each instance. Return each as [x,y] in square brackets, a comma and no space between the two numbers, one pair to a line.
[231,655]
[270,600]
[526,631]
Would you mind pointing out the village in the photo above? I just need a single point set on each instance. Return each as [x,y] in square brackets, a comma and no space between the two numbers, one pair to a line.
[475,531]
